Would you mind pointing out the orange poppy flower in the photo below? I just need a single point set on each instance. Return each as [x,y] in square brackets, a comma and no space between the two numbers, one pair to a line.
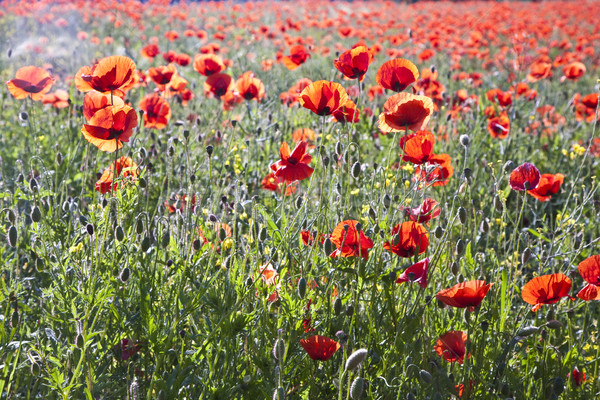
[110,74]
[157,111]
[150,51]
[58,99]
[546,289]
[218,84]
[209,64]
[436,172]
[125,167]
[323,97]
[109,127]
[250,87]
[539,70]
[525,177]
[418,147]
[305,134]
[397,74]
[298,56]
[320,347]
[503,99]
[410,238]
[585,108]
[162,75]
[416,273]
[94,101]
[350,242]
[293,166]
[574,70]
[273,183]
[347,113]
[183,59]
[354,63]
[499,127]
[30,81]
[589,269]
[548,185]
[405,111]
[451,346]
[465,294]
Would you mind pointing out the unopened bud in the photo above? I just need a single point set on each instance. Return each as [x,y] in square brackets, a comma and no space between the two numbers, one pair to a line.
[356,170]
[462,215]
[356,389]
[301,287]
[355,359]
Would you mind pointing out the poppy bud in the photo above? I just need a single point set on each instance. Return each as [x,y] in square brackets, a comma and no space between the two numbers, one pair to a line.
[12,236]
[356,389]
[373,216]
[339,148]
[464,140]
[162,395]
[326,161]
[337,306]
[301,287]
[36,214]
[14,319]
[528,331]
[441,304]
[349,310]
[209,150]
[508,166]
[498,204]
[58,158]
[467,173]
[23,116]
[33,185]
[279,394]
[356,170]
[484,326]
[124,275]
[485,226]
[90,229]
[425,376]
[554,324]
[35,369]
[462,215]
[279,349]
[298,202]
[79,341]
[328,246]
[166,239]
[262,234]
[213,218]
[460,247]
[387,201]
[145,244]
[11,216]
[558,386]
[455,268]
[39,264]
[526,255]
[439,232]
[355,359]
[143,183]
[119,233]
[396,239]
[139,226]
[410,396]
[197,244]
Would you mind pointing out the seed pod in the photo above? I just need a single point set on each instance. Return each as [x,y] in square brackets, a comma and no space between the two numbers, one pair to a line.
[337,306]
[139,226]
[36,214]
[12,236]
[356,170]
[356,389]
[124,275]
[209,150]
[526,255]
[498,204]
[355,359]
[279,349]
[145,244]
[279,394]
[301,287]
[460,247]
[79,341]
[90,229]
[119,233]
[439,232]
[462,215]
[528,331]
[328,246]
[425,376]
[387,201]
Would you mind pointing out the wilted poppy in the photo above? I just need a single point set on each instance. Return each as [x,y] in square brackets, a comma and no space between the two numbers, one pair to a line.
[546,289]
[218,84]
[58,99]
[499,126]
[465,294]
[349,241]
[30,81]
[451,346]
[109,127]
[209,64]
[110,74]
[418,147]
[293,166]
[416,273]
[94,101]
[323,97]
[397,74]
[157,111]
[589,269]
[405,111]
[125,168]
[408,239]
[354,63]
[437,171]
[525,177]
[250,87]
[574,70]
[424,213]
[548,185]
[298,55]
[320,347]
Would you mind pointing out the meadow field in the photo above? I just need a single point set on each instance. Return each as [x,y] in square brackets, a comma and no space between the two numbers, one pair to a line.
[299,200]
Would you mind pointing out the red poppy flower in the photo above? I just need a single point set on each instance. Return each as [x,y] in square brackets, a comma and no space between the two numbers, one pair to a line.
[451,346]
[354,63]
[539,70]
[150,51]
[109,127]
[418,147]
[162,75]
[548,185]
[305,134]
[125,168]
[405,111]
[347,113]
[436,172]
[250,87]
[58,99]
[320,347]
[397,74]
[127,348]
[577,376]
[157,111]
[503,99]
[273,183]
[110,74]
[424,213]
[218,84]
[293,167]
[209,64]
[416,273]
[585,108]
[589,269]
[298,56]
[525,177]
[30,81]
[410,238]
[574,70]
[546,289]
[466,294]
[323,97]
[94,101]
[499,126]
[349,241]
